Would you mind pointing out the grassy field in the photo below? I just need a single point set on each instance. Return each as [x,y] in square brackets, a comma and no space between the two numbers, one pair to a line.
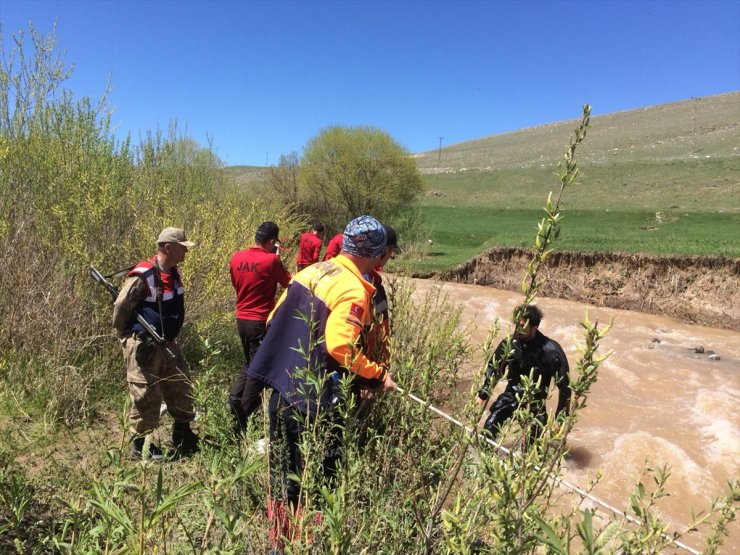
[457,239]
[692,186]
[661,180]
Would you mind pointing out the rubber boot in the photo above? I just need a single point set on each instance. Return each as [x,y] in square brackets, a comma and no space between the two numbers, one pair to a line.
[492,425]
[155,453]
[184,440]
[239,425]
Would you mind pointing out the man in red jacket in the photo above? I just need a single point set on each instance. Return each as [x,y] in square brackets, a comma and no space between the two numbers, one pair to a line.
[309,247]
[334,247]
[255,274]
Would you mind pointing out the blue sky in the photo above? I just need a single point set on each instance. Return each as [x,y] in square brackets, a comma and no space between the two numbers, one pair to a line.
[261,78]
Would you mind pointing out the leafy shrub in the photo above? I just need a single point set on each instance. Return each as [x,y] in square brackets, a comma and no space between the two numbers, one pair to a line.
[349,171]
[71,195]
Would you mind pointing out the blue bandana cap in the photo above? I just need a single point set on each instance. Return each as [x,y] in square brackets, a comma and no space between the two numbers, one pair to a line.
[364,237]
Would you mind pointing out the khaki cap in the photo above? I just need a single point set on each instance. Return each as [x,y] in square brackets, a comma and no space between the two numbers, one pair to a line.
[174,235]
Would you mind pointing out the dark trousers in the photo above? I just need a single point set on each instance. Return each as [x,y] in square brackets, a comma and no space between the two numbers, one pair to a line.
[245,398]
[245,395]
[286,428]
[251,333]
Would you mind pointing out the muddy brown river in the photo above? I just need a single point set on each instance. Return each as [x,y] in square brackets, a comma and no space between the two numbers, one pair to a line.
[657,399]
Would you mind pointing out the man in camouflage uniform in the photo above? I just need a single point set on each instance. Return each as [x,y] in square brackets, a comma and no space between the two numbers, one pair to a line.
[154,290]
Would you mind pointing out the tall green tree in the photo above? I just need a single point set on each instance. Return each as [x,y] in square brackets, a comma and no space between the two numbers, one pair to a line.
[349,171]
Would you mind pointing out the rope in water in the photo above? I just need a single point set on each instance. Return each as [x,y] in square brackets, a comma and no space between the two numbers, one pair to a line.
[559,481]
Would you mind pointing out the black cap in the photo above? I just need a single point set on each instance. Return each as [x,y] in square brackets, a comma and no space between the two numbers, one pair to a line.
[391,239]
[266,231]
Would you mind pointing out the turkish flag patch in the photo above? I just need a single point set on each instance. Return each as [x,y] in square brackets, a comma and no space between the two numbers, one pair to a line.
[357,311]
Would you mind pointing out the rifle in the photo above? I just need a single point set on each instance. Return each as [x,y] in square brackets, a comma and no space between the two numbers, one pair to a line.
[150,331]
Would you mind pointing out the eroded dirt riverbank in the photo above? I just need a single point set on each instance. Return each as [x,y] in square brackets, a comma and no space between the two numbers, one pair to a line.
[656,400]
[696,290]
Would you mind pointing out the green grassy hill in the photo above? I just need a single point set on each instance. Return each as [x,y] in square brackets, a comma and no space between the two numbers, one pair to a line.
[246,174]
[662,179]
[684,155]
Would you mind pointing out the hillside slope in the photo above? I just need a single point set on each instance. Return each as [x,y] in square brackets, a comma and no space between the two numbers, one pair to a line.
[683,156]
[700,128]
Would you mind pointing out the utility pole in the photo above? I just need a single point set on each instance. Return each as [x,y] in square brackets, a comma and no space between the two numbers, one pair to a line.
[693,125]
[439,155]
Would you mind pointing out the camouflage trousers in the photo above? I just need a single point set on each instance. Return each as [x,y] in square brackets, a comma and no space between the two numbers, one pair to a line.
[154,376]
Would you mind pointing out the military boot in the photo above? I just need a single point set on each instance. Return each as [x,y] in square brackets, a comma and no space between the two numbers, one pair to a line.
[184,440]
[155,453]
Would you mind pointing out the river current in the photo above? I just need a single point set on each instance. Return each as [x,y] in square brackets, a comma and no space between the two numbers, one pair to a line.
[669,395]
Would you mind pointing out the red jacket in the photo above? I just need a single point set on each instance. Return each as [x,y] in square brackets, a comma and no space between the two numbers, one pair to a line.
[255,274]
[309,249]
[334,247]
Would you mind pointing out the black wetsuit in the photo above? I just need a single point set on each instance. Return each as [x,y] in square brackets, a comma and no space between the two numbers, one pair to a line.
[546,360]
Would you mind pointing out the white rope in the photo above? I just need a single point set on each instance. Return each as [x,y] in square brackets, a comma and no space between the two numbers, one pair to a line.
[559,481]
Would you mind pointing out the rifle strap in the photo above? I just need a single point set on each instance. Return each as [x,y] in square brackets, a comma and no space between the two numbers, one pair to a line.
[159,285]
[120,272]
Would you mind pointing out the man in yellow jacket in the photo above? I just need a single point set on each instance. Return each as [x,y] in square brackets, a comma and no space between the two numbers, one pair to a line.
[313,338]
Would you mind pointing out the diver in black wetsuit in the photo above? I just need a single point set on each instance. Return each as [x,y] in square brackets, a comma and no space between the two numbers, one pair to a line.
[532,352]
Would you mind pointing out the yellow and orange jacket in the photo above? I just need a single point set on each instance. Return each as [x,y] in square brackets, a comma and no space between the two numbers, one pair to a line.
[315,334]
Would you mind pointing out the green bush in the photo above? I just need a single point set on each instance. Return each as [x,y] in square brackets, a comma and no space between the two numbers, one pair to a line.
[349,171]
[70,196]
